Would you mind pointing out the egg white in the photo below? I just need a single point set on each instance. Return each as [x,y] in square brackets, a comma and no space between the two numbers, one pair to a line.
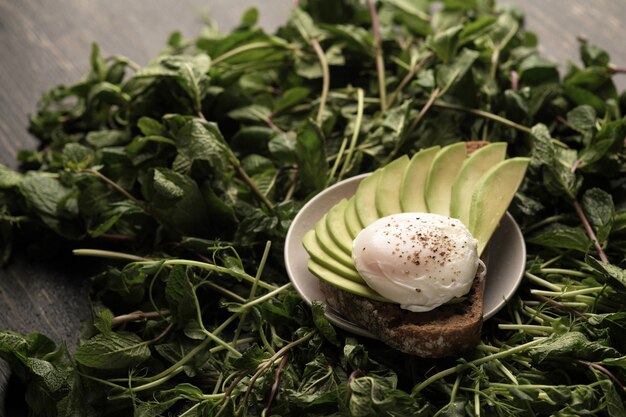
[419,260]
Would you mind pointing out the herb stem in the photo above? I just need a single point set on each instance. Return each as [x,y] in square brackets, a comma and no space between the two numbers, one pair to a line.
[100,253]
[567,307]
[527,328]
[266,297]
[116,186]
[223,291]
[340,152]
[293,177]
[590,231]
[407,78]
[139,315]
[183,361]
[13,219]
[212,267]
[562,271]
[477,397]
[325,79]
[244,48]
[401,142]
[250,183]
[262,368]
[475,362]
[253,289]
[380,63]
[542,282]
[277,375]
[603,370]
[483,114]
[506,372]
[211,335]
[360,95]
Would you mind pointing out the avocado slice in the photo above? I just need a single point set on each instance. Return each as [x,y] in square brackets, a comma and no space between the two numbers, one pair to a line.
[388,187]
[441,175]
[365,197]
[345,284]
[414,181]
[352,219]
[317,253]
[465,182]
[336,225]
[492,195]
[329,245]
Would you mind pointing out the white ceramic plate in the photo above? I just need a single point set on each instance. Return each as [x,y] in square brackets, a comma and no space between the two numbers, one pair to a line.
[505,268]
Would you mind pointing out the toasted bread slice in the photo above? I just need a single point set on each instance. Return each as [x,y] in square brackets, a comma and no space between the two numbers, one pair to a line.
[447,330]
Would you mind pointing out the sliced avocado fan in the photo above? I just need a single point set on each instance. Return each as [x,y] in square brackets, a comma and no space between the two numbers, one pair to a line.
[476,189]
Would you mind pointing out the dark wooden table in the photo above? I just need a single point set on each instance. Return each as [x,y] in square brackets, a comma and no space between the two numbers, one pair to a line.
[45,43]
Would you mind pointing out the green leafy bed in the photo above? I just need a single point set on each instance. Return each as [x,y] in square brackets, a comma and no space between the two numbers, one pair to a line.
[186,173]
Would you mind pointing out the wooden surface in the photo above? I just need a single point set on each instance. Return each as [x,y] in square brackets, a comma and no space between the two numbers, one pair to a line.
[45,43]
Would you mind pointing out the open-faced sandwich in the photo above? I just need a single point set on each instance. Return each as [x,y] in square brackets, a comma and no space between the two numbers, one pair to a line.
[403,258]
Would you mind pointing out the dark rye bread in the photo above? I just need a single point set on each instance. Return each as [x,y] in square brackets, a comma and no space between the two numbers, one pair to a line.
[445,331]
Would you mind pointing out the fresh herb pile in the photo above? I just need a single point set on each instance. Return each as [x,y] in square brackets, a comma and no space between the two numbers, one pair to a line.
[186,173]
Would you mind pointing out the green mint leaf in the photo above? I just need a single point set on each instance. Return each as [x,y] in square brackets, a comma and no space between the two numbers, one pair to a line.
[445,43]
[77,157]
[602,146]
[249,18]
[311,157]
[556,163]
[53,202]
[190,72]
[304,25]
[571,344]
[582,118]
[319,384]
[282,148]
[615,324]
[250,359]
[614,403]
[180,295]
[476,28]
[103,319]
[322,324]
[562,237]
[592,55]
[251,113]
[373,396]
[201,143]
[356,38]
[105,138]
[419,10]
[600,211]
[9,178]
[108,93]
[150,127]
[46,194]
[582,96]
[536,70]
[449,75]
[610,273]
[291,97]
[177,201]
[115,350]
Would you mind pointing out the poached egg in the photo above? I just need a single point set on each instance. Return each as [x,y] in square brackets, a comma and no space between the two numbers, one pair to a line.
[418,260]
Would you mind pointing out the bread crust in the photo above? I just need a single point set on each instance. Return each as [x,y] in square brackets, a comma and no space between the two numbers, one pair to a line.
[447,330]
